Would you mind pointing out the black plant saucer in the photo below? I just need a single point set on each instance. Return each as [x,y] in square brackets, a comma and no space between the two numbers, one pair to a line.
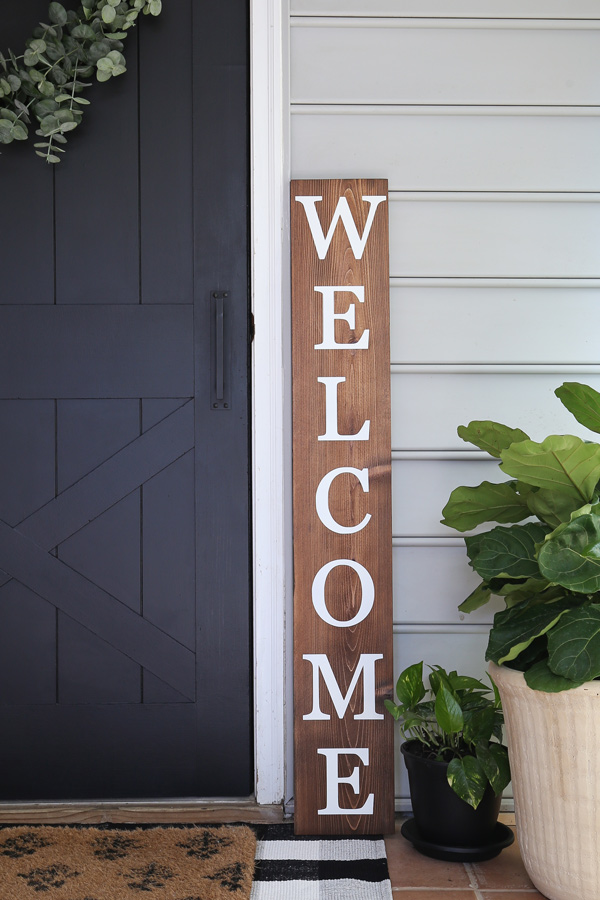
[502,836]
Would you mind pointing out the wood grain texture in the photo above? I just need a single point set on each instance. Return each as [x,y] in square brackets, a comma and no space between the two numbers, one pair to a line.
[364,395]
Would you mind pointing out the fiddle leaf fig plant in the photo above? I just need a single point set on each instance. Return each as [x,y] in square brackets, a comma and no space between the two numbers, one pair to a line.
[44,85]
[455,721]
[543,558]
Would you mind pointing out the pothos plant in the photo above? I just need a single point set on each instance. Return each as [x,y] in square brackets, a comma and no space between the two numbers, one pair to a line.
[46,82]
[547,569]
[454,720]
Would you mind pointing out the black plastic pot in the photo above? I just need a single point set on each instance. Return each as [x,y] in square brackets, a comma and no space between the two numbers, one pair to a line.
[441,817]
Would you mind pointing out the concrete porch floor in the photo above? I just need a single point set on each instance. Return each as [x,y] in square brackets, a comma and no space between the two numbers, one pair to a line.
[417,877]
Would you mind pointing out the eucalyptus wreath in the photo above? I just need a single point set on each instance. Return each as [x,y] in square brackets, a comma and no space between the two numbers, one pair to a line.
[45,84]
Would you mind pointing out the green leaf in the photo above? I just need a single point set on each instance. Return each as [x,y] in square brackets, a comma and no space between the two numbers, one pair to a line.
[490,436]
[562,462]
[57,14]
[494,762]
[52,159]
[488,502]
[46,88]
[467,778]
[582,401]
[103,75]
[571,555]
[479,725]
[516,628]
[574,644]
[83,32]
[409,687]
[477,598]
[540,677]
[447,711]
[30,57]
[19,132]
[48,125]
[108,14]
[44,108]
[509,552]
[155,6]
[552,507]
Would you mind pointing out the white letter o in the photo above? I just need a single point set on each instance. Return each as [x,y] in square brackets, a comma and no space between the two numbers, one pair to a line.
[318,593]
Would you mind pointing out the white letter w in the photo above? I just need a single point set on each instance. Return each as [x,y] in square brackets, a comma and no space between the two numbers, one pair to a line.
[342,211]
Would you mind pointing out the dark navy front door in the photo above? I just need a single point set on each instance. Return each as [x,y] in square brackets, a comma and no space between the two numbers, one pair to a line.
[124,468]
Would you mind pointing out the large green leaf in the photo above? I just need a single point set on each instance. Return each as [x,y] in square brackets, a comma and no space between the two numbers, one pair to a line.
[409,687]
[447,711]
[540,677]
[467,779]
[582,401]
[490,436]
[571,555]
[574,644]
[494,762]
[514,629]
[562,462]
[552,507]
[488,502]
[509,552]
[479,724]
[478,597]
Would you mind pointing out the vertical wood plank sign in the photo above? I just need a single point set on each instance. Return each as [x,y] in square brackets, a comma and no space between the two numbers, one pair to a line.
[343,737]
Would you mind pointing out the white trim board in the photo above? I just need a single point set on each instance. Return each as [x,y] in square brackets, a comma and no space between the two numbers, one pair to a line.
[271,529]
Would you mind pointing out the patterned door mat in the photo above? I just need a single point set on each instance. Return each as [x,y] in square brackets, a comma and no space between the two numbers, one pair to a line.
[55,862]
[319,868]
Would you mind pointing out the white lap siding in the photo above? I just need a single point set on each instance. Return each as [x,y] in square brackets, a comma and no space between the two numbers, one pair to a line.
[485,119]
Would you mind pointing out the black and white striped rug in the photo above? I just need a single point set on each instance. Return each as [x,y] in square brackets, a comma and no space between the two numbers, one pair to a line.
[319,868]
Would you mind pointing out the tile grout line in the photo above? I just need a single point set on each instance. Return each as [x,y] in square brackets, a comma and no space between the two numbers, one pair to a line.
[473,881]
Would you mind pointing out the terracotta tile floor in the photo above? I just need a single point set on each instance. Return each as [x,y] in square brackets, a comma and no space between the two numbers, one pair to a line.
[417,877]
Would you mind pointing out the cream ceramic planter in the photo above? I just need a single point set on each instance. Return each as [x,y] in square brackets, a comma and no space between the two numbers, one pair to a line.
[554,747]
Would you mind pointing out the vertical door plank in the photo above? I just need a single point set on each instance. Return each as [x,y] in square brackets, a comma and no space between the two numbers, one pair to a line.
[97,219]
[166,157]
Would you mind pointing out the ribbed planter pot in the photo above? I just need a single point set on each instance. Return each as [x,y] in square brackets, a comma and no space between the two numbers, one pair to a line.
[554,748]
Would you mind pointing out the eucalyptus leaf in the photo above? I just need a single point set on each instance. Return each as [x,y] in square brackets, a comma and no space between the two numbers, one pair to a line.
[490,436]
[571,556]
[467,778]
[108,14]
[488,502]
[562,463]
[57,14]
[574,645]
[582,401]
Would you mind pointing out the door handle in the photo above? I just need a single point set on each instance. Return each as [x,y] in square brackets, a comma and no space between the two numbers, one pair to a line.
[219,356]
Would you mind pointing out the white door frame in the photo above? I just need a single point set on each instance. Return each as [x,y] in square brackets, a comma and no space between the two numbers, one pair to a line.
[270,391]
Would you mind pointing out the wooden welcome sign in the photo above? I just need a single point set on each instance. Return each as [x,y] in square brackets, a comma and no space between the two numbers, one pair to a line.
[342,508]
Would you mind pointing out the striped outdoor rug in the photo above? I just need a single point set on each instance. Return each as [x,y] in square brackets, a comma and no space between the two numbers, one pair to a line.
[319,868]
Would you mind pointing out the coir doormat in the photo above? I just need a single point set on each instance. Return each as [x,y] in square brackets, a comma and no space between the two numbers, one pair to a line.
[86,863]
[319,868]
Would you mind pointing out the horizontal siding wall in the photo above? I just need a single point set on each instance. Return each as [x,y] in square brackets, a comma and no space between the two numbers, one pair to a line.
[486,122]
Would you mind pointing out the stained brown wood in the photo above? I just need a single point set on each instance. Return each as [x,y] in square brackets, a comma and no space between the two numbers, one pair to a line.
[95,813]
[364,395]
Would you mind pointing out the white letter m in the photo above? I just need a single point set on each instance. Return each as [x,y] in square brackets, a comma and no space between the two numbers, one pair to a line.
[366,665]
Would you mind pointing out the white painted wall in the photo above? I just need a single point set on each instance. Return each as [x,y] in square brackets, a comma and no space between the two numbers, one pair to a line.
[488,129]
